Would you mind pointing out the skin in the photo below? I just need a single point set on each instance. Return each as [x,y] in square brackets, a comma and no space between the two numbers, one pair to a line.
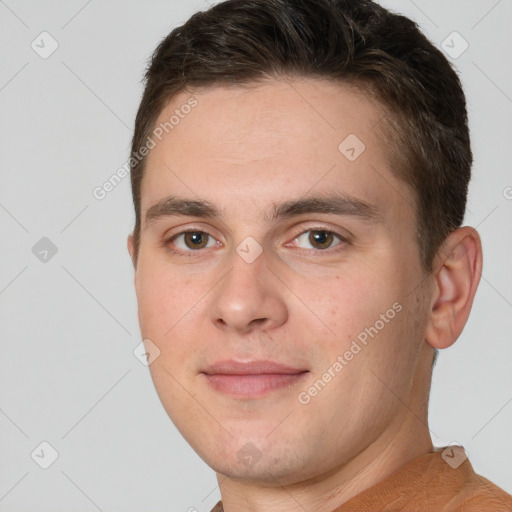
[245,149]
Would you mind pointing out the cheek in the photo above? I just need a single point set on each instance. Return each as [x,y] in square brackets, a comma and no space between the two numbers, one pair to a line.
[351,302]
[164,298]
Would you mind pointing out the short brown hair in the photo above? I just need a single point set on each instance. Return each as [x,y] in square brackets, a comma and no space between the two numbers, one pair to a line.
[356,42]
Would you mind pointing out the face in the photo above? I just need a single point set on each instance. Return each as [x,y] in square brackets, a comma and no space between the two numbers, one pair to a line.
[286,288]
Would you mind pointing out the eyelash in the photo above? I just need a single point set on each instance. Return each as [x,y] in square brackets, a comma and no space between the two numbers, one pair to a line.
[194,253]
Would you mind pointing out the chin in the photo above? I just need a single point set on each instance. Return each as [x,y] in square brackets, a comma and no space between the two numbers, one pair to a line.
[269,467]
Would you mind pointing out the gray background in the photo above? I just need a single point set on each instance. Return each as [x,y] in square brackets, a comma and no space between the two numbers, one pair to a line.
[68,375]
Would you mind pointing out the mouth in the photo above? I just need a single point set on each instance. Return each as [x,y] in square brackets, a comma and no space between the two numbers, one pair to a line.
[251,379]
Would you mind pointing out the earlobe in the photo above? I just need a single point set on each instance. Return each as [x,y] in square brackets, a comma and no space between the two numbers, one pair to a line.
[457,273]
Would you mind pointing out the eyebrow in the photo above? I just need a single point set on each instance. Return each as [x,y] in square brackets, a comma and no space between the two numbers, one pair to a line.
[334,203]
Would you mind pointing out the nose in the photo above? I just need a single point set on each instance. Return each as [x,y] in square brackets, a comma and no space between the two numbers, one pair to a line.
[249,297]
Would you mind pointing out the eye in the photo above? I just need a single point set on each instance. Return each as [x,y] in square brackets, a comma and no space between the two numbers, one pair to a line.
[192,240]
[319,239]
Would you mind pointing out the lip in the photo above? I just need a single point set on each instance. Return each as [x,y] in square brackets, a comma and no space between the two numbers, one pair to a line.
[251,379]
[232,367]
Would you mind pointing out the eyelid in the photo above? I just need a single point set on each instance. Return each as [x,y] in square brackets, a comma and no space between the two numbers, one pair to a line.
[179,230]
[342,233]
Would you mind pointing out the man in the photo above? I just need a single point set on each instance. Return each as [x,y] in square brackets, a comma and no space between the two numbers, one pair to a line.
[299,176]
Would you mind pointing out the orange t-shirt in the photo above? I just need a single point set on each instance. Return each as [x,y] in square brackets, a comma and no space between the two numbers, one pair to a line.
[442,481]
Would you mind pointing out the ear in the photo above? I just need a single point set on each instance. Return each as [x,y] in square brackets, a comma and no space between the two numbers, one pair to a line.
[457,271]
[132,249]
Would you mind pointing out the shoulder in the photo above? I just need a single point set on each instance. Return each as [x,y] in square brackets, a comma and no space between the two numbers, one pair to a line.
[480,494]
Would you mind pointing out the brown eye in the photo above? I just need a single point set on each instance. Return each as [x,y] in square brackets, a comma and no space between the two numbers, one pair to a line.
[192,240]
[319,239]
[195,239]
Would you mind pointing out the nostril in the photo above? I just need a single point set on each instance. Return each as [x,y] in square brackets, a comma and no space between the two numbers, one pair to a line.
[259,321]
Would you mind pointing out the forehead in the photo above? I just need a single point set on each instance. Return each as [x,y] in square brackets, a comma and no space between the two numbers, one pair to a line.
[256,145]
